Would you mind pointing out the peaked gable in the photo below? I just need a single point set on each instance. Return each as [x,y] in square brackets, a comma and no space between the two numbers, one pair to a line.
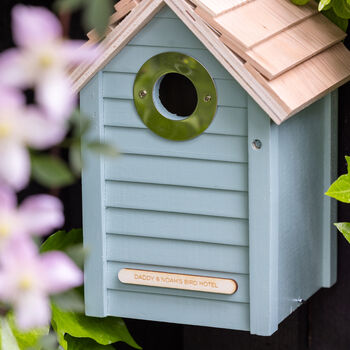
[292,57]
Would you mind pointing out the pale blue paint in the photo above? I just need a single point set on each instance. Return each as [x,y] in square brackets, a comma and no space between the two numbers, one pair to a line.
[211,206]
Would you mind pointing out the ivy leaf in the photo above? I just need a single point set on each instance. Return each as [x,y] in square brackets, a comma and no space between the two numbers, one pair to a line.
[97,15]
[103,148]
[344,228]
[300,2]
[341,8]
[323,4]
[61,240]
[25,340]
[84,344]
[340,189]
[340,22]
[51,171]
[104,331]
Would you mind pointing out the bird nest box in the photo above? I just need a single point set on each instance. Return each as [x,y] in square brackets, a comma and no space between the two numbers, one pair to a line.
[225,114]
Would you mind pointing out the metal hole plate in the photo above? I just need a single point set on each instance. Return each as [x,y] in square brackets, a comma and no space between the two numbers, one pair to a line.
[147,77]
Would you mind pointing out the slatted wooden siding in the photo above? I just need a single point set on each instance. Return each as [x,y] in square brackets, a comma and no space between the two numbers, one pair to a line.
[175,206]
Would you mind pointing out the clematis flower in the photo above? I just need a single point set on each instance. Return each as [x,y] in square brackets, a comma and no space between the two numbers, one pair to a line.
[22,126]
[37,215]
[42,59]
[27,279]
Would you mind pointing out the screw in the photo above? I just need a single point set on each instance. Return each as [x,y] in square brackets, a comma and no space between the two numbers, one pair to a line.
[207,98]
[256,144]
[143,93]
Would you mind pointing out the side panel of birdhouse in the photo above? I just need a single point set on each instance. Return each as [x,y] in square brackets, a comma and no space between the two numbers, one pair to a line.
[307,153]
[177,207]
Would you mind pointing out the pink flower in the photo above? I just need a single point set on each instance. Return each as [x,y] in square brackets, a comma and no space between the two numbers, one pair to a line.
[37,215]
[22,126]
[27,278]
[42,59]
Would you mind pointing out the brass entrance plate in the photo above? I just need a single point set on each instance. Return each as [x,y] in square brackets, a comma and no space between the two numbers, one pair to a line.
[148,76]
[178,281]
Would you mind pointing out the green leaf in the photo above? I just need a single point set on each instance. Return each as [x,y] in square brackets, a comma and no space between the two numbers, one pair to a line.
[69,5]
[344,228]
[75,160]
[85,344]
[51,171]
[7,338]
[97,15]
[340,22]
[69,301]
[340,189]
[62,240]
[103,148]
[104,331]
[28,339]
[341,8]
[323,4]
[300,2]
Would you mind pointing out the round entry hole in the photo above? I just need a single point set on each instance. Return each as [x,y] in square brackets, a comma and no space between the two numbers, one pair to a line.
[177,94]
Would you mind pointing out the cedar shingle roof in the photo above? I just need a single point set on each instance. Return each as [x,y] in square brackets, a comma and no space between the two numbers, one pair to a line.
[284,56]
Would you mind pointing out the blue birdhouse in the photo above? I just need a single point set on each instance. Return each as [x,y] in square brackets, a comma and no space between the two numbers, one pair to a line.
[214,213]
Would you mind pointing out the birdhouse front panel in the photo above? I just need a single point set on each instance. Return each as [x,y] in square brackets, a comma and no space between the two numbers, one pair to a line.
[212,215]
[174,206]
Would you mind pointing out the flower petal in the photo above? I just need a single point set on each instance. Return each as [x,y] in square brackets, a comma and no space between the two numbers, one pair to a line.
[8,198]
[34,25]
[40,214]
[77,51]
[40,132]
[12,69]
[32,311]
[15,165]
[62,273]
[10,98]
[55,95]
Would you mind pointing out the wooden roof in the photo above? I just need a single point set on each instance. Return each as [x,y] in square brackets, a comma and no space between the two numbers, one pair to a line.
[284,56]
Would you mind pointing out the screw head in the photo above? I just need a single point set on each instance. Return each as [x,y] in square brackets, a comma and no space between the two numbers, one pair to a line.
[256,144]
[142,93]
[207,98]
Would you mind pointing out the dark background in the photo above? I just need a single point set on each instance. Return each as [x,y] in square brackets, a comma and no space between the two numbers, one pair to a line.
[322,323]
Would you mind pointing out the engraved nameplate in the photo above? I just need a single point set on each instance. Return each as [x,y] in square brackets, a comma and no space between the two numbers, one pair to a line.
[178,281]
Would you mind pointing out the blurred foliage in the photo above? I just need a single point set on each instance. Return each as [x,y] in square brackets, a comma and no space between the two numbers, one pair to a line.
[340,190]
[338,11]
[95,12]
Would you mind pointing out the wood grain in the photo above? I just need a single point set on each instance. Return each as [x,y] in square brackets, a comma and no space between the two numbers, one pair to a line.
[259,20]
[297,44]
[215,8]
[310,80]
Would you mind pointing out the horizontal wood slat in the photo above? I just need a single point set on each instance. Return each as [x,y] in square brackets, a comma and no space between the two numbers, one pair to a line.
[259,20]
[177,199]
[174,253]
[310,80]
[120,85]
[227,121]
[168,308]
[285,50]
[177,171]
[131,59]
[207,146]
[217,7]
[197,228]
[241,296]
